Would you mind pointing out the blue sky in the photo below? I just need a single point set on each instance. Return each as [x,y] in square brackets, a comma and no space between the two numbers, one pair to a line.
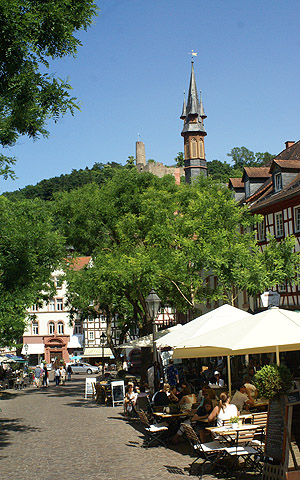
[133,67]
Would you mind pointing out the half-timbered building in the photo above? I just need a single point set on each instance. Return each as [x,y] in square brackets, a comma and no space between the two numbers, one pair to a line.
[274,192]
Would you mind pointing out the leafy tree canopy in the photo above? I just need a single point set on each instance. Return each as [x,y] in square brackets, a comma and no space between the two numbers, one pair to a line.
[243,157]
[45,189]
[31,33]
[30,250]
[146,232]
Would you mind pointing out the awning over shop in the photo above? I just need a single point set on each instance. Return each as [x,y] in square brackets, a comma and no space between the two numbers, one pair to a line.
[97,352]
[34,349]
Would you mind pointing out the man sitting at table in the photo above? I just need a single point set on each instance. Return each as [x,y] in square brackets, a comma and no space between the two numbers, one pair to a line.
[242,399]
[160,398]
[200,419]
[216,381]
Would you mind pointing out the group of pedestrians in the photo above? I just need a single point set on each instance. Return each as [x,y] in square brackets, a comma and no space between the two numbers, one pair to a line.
[41,376]
[61,373]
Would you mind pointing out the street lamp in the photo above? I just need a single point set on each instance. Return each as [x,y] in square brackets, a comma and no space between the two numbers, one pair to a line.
[26,351]
[102,340]
[153,305]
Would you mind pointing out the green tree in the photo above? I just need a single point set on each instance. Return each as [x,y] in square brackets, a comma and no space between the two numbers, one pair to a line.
[179,159]
[146,232]
[30,250]
[243,157]
[32,33]
[130,162]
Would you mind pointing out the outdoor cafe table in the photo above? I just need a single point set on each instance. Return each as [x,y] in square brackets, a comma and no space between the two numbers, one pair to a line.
[231,435]
[261,404]
[171,415]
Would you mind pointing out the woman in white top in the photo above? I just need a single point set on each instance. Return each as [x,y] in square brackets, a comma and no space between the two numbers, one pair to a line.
[187,400]
[224,411]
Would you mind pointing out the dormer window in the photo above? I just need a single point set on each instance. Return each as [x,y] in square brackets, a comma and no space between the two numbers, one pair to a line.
[278,182]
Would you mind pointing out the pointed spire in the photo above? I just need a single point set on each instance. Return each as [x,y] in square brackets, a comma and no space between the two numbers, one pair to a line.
[193,101]
[202,112]
[183,114]
[194,114]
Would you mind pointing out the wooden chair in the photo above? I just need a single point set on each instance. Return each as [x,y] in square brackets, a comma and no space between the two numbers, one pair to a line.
[259,419]
[242,448]
[153,432]
[211,453]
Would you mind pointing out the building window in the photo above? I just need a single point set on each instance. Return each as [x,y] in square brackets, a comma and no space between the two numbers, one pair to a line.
[278,182]
[261,231]
[90,318]
[59,304]
[77,329]
[60,328]
[34,308]
[35,328]
[91,335]
[51,328]
[297,219]
[278,225]
[52,305]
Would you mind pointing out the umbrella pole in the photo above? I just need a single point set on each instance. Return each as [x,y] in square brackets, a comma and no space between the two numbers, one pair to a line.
[229,374]
[277,355]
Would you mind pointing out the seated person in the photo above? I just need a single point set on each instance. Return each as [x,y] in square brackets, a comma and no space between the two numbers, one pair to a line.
[180,394]
[241,399]
[251,389]
[206,393]
[160,398]
[187,400]
[173,398]
[224,411]
[216,381]
[130,400]
[199,418]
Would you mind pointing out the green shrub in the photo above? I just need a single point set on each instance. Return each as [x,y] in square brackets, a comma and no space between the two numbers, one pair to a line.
[273,380]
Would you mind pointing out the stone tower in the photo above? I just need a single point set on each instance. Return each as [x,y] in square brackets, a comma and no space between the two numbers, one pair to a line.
[140,155]
[193,133]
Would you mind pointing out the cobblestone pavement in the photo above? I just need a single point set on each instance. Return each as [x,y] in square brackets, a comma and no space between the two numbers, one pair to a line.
[55,433]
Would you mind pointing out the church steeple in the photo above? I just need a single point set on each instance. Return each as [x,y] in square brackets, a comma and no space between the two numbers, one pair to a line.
[194,132]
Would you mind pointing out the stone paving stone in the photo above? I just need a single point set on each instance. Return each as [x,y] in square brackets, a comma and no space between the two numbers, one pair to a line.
[54,433]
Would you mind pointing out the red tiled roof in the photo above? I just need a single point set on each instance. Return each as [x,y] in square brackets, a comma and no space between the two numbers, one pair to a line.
[79,262]
[262,191]
[258,172]
[293,152]
[292,164]
[236,182]
[290,190]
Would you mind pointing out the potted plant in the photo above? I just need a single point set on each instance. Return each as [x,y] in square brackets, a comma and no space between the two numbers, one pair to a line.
[234,422]
[273,381]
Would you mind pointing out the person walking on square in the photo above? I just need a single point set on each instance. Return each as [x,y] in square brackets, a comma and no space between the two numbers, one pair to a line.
[45,377]
[62,375]
[37,376]
[57,376]
[69,372]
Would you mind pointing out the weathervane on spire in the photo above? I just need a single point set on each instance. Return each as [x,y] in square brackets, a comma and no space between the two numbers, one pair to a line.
[194,54]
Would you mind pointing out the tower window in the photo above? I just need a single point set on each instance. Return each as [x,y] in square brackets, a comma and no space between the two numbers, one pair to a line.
[201,149]
[194,148]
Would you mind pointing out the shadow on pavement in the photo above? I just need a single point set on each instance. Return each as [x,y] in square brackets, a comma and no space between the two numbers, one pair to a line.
[12,425]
